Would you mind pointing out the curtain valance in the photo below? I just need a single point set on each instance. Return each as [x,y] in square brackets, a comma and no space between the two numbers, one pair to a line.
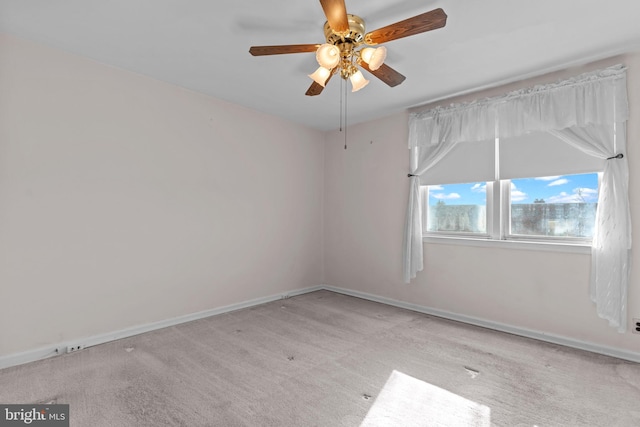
[594,98]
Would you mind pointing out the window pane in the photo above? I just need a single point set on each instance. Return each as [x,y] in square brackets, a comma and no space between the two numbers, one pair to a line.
[457,208]
[554,206]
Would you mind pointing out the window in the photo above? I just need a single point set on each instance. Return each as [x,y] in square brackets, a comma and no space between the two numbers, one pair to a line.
[542,208]
[553,206]
[457,208]
[534,187]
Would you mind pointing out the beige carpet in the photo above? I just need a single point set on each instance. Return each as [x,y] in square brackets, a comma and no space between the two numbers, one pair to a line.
[323,359]
[407,401]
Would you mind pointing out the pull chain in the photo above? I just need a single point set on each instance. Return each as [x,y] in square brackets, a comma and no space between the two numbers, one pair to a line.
[343,110]
[340,104]
[345,115]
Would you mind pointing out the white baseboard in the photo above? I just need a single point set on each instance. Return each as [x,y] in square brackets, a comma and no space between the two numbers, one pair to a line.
[60,348]
[541,336]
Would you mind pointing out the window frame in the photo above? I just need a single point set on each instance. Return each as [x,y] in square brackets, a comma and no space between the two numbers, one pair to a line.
[498,196]
[460,234]
[538,238]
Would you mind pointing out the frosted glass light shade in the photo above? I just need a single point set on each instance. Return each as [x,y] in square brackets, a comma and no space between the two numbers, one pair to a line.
[328,56]
[374,57]
[358,81]
[321,75]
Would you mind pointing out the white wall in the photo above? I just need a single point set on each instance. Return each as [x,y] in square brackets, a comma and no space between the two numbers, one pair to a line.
[366,191]
[124,200]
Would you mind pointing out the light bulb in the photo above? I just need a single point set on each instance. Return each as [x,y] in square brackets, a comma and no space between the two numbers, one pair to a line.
[358,81]
[321,75]
[328,56]
[374,57]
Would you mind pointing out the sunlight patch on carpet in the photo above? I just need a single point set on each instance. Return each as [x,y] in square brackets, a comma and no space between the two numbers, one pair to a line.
[406,401]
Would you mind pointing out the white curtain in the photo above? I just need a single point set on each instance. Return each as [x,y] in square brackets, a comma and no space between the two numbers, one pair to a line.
[582,111]
[611,248]
[421,161]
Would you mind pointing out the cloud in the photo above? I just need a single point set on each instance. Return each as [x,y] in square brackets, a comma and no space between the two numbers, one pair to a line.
[479,188]
[450,196]
[580,195]
[517,195]
[590,191]
[586,194]
[547,178]
[563,197]
[436,188]
[557,182]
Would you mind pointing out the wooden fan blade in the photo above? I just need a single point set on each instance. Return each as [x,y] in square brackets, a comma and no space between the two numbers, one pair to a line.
[314,89]
[279,50]
[317,88]
[386,74]
[418,24]
[336,13]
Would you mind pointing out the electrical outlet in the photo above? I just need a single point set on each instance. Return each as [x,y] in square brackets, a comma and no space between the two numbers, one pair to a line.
[636,326]
[74,348]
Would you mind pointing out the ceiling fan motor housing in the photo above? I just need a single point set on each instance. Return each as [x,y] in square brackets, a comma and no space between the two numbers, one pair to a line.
[347,42]
[354,36]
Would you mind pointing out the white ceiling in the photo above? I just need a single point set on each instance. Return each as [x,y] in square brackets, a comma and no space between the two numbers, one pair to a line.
[203,45]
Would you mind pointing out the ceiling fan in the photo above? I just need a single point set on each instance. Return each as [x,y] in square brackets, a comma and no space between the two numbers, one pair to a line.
[342,52]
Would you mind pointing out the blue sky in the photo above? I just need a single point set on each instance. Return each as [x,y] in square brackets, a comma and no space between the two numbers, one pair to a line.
[553,189]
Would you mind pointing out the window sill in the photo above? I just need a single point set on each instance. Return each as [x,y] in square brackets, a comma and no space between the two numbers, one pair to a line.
[579,248]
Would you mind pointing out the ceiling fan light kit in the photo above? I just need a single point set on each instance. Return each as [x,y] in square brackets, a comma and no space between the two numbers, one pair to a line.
[374,56]
[328,56]
[341,53]
[358,81]
[321,75]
